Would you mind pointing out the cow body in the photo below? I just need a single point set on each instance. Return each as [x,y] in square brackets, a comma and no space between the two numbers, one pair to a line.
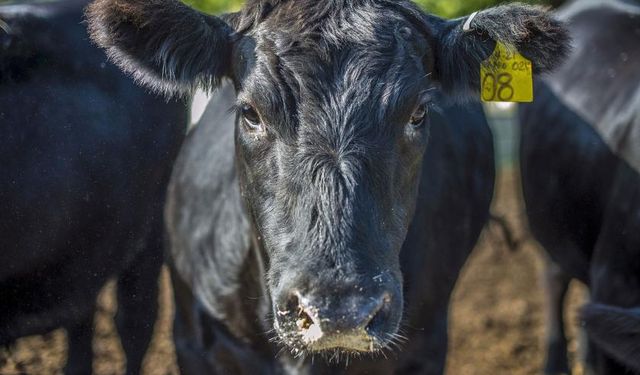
[221,307]
[86,157]
[580,186]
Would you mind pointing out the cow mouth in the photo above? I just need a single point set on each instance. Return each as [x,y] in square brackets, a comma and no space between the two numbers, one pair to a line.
[315,342]
[303,336]
[353,319]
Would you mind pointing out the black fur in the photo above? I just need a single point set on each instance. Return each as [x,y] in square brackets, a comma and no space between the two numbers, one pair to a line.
[582,192]
[164,44]
[85,157]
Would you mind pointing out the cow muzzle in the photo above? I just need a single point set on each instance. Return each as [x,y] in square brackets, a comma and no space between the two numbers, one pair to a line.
[357,322]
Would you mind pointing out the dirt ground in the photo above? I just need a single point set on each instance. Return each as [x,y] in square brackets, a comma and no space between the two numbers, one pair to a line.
[496,315]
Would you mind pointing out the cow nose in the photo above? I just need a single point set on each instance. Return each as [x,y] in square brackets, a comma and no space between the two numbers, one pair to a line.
[355,322]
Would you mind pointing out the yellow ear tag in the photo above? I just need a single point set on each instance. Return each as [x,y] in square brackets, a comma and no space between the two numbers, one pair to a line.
[506,76]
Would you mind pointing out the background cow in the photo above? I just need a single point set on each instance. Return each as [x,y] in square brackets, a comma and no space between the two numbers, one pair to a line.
[289,213]
[85,157]
[581,190]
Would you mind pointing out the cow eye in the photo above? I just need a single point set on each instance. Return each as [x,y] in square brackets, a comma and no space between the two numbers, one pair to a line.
[251,116]
[419,114]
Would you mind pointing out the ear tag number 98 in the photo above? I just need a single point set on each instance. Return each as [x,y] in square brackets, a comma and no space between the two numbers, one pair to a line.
[506,76]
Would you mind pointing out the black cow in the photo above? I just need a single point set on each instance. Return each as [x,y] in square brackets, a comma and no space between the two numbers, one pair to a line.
[582,198]
[287,214]
[85,158]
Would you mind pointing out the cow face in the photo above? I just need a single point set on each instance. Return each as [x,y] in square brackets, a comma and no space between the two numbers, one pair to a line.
[332,122]
[332,125]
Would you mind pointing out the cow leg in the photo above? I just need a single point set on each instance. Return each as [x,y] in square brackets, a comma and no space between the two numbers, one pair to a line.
[600,363]
[555,285]
[597,360]
[203,346]
[192,356]
[138,302]
[615,281]
[80,350]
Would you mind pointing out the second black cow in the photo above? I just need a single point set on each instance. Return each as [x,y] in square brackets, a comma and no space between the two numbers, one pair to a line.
[85,159]
[581,183]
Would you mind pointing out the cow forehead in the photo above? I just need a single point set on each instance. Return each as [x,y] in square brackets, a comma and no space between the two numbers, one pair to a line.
[339,85]
[334,23]
[329,16]
[316,65]
[310,38]
[312,66]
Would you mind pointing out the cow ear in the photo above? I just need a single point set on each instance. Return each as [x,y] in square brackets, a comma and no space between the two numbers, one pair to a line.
[463,44]
[166,45]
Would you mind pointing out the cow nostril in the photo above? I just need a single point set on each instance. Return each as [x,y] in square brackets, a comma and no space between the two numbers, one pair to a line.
[375,323]
[307,327]
[292,303]
[378,316]
[304,321]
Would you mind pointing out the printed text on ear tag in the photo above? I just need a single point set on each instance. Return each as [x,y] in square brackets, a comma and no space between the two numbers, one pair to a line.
[506,76]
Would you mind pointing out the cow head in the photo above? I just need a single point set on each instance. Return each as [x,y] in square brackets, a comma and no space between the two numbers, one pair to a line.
[332,123]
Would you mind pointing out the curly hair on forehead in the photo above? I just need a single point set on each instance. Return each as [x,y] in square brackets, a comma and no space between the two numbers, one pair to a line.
[304,15]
